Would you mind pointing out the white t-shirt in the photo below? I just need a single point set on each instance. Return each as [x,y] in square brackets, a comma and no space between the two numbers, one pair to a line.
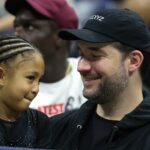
[66,94]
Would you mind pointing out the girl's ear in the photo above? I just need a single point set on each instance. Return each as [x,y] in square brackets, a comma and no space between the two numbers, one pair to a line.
[136,59]
[2,76]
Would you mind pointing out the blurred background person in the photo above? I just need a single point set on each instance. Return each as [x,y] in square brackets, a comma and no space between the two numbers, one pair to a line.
[6,24]
[39,22]
[6,20]
[83,9]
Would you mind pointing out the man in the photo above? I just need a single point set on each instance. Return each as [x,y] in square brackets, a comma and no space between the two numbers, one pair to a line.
[115,50]
[39,22]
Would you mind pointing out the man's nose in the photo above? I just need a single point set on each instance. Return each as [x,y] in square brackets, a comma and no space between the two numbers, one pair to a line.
[84,65]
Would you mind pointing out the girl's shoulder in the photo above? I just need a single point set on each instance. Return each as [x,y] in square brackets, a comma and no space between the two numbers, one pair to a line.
[36,115]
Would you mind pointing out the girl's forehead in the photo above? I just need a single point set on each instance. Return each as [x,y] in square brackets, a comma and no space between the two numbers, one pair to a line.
[29,58]
[31,64]
[22,59]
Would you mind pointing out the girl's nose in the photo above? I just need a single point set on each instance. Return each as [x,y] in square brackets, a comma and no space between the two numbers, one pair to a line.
[35,89]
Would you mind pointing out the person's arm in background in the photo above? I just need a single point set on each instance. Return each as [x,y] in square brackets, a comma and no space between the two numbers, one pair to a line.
[6,22]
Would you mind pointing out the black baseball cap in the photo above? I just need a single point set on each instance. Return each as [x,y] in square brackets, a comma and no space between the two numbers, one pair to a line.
[113,25]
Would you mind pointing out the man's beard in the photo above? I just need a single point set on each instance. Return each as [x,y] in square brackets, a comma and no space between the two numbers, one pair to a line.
[110,88]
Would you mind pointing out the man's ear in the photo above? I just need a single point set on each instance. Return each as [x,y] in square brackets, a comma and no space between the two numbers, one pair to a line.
[136,59]
[2,76]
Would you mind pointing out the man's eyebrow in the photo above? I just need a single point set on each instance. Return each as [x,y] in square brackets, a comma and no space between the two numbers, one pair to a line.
[26,20]
[93,48]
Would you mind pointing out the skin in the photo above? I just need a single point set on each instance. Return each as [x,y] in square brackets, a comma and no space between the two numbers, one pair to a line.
[19,85]
[109,80]
[42,33]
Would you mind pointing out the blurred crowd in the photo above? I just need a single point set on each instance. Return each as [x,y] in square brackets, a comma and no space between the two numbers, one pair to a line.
[5,19]
[84,8]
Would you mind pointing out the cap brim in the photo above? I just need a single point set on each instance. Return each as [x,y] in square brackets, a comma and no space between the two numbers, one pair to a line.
[13,6]
[85,35]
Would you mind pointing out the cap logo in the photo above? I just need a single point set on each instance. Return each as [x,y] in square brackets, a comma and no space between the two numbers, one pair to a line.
[97,17]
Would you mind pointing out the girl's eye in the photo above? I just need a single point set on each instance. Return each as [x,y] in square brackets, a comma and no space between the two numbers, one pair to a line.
[30,77]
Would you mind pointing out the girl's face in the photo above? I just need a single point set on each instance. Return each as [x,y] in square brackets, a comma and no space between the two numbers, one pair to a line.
[20,84]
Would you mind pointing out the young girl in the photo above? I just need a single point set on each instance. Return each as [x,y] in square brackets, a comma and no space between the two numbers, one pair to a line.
[21,67]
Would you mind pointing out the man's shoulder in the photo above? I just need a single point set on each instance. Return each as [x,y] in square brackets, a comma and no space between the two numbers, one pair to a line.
[74,116]
[65,117]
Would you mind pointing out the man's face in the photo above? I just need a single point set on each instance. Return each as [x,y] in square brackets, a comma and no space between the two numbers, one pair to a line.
[103,71]
[37,31]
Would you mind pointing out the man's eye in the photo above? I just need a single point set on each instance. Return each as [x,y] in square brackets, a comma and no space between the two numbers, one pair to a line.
[96,56]
[29,27]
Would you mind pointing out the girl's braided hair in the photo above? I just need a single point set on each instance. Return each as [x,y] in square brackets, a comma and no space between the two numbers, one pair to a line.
[12,45]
